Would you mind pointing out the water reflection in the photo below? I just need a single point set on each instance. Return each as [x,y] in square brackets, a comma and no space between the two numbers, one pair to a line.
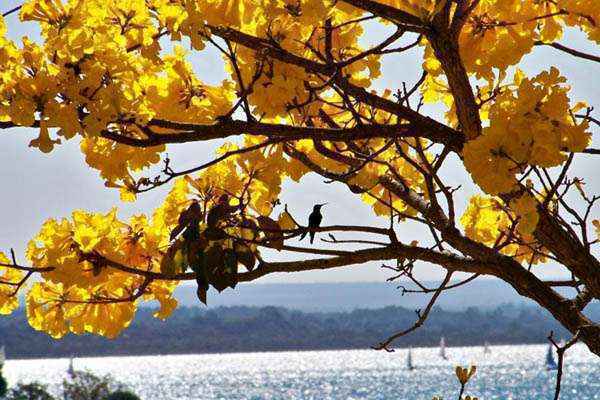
[508,372]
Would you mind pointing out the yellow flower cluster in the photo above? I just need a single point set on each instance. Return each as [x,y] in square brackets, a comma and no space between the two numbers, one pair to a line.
[487,221]
[288,24]
[531,125]
[72,296]
[8,278]
[99,65]
[464,374]
[379,197]
[78,295]
[58,310]
[499,33]
[484,219]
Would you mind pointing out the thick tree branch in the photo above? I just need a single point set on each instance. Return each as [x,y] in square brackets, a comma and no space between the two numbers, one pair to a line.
[393,251]
[425,124]
[407,20]
[445,47]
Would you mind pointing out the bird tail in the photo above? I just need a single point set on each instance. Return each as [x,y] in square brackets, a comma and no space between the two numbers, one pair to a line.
[303,235]
[312,237]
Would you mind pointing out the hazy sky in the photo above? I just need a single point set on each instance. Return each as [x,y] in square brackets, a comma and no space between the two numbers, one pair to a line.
[36,186]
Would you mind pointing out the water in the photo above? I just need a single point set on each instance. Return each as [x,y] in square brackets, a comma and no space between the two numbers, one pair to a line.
[508,373]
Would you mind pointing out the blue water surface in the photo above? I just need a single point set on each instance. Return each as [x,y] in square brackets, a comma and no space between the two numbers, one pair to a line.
[507,373]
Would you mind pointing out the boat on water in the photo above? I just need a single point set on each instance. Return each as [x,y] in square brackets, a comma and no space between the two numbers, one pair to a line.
[443,348]
[71,369]
[486,348]
[2,356]
[550,363]
[409,360]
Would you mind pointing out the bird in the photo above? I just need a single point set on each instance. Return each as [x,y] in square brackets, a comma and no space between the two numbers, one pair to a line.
[314,220]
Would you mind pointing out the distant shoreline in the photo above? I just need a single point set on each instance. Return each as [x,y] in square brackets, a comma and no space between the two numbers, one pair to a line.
[223,330]
[400,349]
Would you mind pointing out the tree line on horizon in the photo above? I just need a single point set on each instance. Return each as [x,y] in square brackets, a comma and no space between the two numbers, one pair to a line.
[247,329]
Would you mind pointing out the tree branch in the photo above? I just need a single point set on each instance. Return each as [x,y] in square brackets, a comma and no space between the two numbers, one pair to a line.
[569,50]
[420,321]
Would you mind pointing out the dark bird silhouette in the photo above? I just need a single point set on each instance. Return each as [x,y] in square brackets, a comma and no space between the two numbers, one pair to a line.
[314,220]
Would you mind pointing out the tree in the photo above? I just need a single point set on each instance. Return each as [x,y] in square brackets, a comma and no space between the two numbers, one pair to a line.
[29,391]
[122,395]
[299,99]
[83,385]
[3,384]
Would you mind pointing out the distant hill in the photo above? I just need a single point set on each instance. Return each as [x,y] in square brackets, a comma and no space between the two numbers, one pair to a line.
[245,329]
[484,293]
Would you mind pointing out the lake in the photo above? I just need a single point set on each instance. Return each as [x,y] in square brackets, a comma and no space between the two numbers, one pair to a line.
[507,373]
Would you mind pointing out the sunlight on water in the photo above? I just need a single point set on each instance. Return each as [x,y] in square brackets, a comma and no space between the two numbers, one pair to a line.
[508,373]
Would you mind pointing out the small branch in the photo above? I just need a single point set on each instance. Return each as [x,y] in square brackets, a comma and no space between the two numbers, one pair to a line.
[588,117]
[560,351]
[172,174]
[591,151]
[420,321]
[7,13]
[559,181]
[569,50]
[424,289]
[583,299]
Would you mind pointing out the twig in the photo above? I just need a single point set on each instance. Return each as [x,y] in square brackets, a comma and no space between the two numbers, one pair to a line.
[569,50]
[420,321]
[560,352]
[7,13]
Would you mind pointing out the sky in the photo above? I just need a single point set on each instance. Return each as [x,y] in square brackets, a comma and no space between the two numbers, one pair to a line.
[36,186]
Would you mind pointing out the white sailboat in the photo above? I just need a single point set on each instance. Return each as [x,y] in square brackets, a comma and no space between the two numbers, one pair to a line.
[550,363]
[486,348]
[71,369]
[2,356]
[443,348]
[409,360]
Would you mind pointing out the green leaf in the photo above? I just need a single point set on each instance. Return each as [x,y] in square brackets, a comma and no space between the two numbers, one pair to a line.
[220,211]
[201,292]
[214,233]
[174,259]
[215,266]
[188,218]
[192,233]
[245,256]
[270,228]
[199,267]
[231,261]
[231,267]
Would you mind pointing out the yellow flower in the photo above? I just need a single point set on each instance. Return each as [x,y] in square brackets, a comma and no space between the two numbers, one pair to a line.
[285,221]
[464,374]
[531,125]
[525,208]
[484,219]
[8,278]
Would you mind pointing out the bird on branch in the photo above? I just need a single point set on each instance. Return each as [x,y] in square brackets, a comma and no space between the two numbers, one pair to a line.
[314,220]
